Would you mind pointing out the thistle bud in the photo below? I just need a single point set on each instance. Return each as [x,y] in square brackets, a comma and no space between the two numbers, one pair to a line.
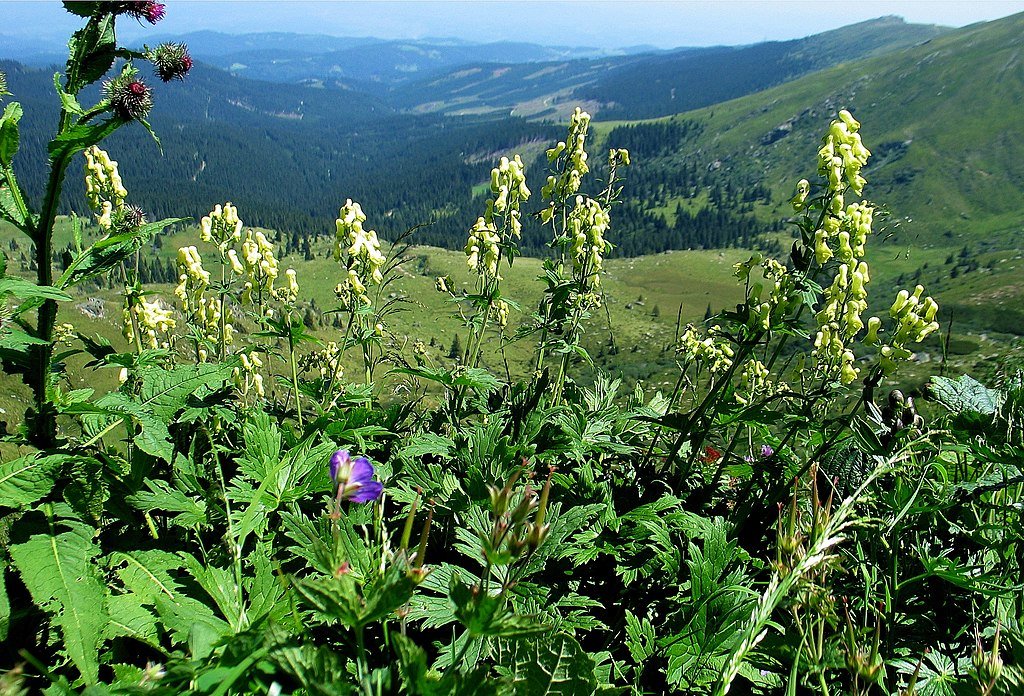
[171,60]
[129,96]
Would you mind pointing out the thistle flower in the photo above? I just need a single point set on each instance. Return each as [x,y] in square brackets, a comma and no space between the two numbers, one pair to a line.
[354,478]
[171,60]
[147,10]
[129,96]
[128,218]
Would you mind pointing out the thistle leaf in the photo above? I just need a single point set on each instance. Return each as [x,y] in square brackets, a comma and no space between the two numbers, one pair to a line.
[62,579]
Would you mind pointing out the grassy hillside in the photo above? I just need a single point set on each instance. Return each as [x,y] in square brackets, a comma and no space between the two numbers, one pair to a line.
[943,120]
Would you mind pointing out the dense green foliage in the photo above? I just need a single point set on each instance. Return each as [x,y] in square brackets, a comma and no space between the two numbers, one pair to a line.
[248,513]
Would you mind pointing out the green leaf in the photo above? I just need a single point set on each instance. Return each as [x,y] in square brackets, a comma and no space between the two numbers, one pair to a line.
[966,395]
[485,614]
[62,579]
[166,391]
[422,444]
[186,512]
[153,436]
[5,604]
[150,577]
[9,138]
[555,665]
[127,618]
[68,101]
[27,290]
[93,47]
[80,137]
[81,7]
[25,480]
[106,253]
[10,210]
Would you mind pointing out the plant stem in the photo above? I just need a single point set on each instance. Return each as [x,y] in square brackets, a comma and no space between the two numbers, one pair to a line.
[294,368]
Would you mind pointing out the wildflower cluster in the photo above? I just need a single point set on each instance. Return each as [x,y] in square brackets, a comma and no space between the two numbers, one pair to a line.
[839,320]
[259,268]
[768,302]
[711,352]
[104,189]
[359,249]
[221,227]
[205,314]
[586,225]
[842,156]
[151,322]
[248,377]
[326,361]
[482,249]
[755,383]
[842,235]
[508,184]
[570,158]
[915,320]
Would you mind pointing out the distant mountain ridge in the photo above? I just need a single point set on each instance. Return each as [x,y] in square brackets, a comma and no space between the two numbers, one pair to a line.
[954,98]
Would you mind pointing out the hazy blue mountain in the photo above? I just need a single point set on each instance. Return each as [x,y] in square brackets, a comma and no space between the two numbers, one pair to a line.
[645,86]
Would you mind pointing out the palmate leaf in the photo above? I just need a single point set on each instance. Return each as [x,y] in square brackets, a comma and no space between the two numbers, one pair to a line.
[62,579]
[150,578]
[273,477]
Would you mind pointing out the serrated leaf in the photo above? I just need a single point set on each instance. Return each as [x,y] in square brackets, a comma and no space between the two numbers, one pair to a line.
[187,512]
[555,665]
[61,577]
[128,618]
[966,395]
[25,480]
[10,210]
[5,604]
[423,444]
[106,253]
[166,391]
[9,139]
[27,290]
[80,137]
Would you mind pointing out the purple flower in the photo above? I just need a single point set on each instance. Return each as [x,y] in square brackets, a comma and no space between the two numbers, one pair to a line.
[354,478]
[766,451]
[148,10]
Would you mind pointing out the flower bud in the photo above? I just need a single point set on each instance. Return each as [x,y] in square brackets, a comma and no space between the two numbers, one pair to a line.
[128,95]
[171,60]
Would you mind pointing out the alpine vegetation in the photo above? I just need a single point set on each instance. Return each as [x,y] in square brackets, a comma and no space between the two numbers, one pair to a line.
[258,507]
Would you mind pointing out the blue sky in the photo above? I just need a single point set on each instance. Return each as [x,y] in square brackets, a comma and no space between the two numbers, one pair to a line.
[666,24]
